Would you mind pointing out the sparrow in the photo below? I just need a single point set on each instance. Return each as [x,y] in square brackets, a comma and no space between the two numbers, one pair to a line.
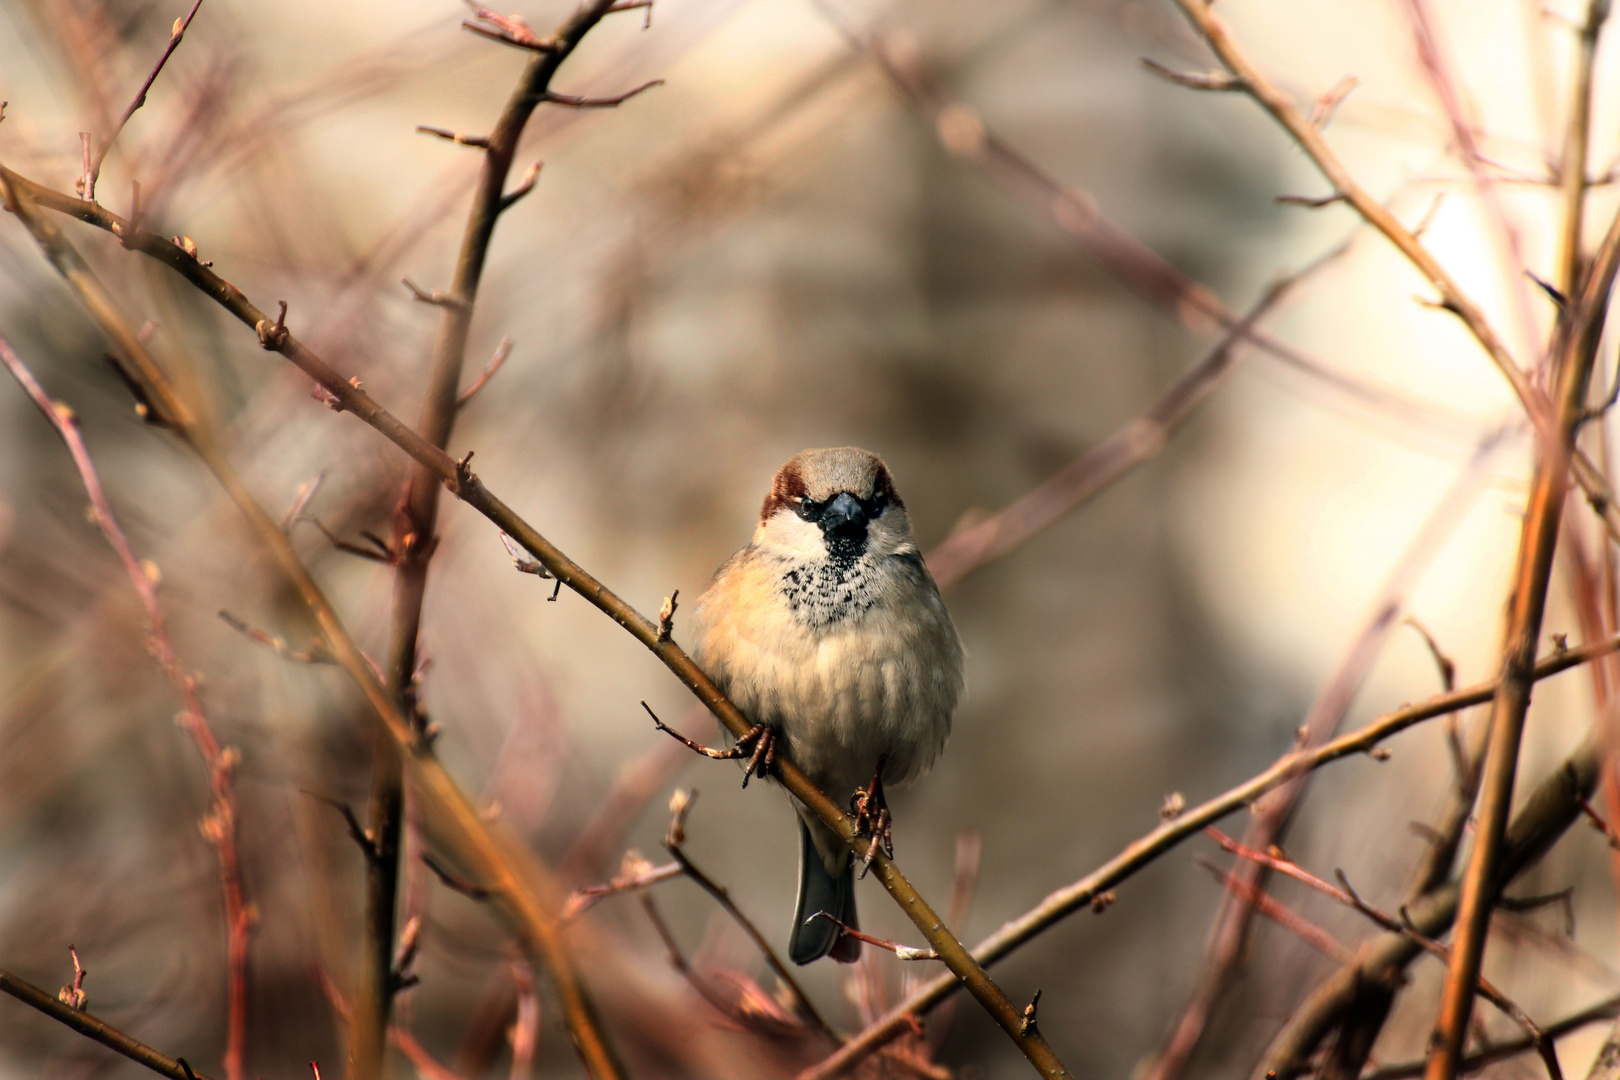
[828,632]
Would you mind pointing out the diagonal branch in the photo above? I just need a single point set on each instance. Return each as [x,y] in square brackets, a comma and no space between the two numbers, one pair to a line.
[93,1028]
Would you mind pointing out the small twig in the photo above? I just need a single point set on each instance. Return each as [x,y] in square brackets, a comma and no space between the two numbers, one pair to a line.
[379,551]
[317,653]
[1027,1026]
[522,560]
[904,952]
[502,351]
[1328,104]
[357,832]
[574,101]
[526,1028]
[635,873]
[1218,81]
[1610,834]
[1312,202]
[508,29]
[301,501]
[525,185]
[93,168]
[481,142]
[453,880]
[74,996]
[273,336]
[1278,912]
[666,616]
[436,298]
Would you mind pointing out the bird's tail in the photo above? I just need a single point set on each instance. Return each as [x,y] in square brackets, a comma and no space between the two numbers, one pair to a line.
[822,890]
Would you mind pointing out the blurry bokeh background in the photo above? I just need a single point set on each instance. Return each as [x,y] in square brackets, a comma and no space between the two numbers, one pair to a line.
[773,250]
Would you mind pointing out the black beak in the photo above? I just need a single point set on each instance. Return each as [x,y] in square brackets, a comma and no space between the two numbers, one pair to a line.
[844,517]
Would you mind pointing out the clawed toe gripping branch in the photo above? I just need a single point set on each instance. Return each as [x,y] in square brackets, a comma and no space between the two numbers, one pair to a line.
[758,743]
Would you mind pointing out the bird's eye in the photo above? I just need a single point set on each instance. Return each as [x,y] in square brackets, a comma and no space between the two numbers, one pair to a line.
[875,506]
[807,509]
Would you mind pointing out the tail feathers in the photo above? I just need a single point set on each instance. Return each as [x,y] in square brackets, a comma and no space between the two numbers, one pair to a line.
[822,891]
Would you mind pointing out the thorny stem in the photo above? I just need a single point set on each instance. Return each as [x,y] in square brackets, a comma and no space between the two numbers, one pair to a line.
[525,891]
[219,825]
[416,521]
[1140,853]
[466,486]
[1580,328]
[99,1030]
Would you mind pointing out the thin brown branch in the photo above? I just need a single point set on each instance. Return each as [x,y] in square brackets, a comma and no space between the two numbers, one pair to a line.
[317,653]
[97,1029]
[576,102]
[1139,440]
[219,825]
[722,896]
[1606,1009]
[635,874]
[502,351]
[92,166]
[1579,333]
[1218,81]
[481,142]
[1146,850]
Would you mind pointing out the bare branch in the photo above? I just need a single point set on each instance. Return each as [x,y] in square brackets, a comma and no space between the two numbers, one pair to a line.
[502,351]
[479,141]
[576,102]
[1217,81]
[99,1030]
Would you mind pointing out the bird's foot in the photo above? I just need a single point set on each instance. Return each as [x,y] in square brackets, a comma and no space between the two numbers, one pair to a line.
[759,739]
[872,819]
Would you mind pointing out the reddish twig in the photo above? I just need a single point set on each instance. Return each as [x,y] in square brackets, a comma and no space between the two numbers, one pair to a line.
[1271,908]
[502,351]
[92,165]
[219,825]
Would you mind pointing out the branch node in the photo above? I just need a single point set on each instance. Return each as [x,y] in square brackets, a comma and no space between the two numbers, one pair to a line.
[1026,1025]
[525,186]
[453,880]
[436,298]
[666,617]
[1217,81]
[480,142]
[273,336]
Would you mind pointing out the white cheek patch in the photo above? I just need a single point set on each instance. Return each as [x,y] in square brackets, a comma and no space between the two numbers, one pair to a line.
[889,533]
[788,533]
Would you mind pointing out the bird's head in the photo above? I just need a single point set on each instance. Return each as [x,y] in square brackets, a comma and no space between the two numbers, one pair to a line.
[837,503]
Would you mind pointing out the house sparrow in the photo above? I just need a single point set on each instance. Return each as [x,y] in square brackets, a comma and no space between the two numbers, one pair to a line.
[829,633]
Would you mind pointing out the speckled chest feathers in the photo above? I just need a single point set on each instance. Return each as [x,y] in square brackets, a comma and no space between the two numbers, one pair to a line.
[823,592]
